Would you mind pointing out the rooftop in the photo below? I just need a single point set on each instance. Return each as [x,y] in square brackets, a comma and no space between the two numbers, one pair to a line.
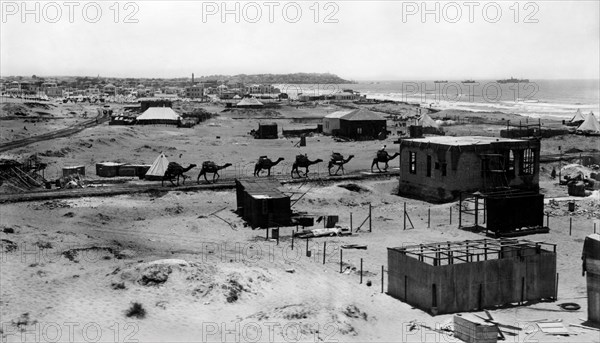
[262,188]
[337,114]
[461,141]
[362,114]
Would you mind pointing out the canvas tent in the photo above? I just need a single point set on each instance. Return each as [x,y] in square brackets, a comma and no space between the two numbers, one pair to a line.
[578,117]
[590,126]
[249,102]
[159,115]
[426,121]
[158,168]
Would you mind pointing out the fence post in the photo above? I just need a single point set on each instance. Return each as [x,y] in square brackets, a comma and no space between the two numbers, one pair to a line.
[382,278]
[404,215]
[350,221]
[370,217]
[341,258]
[361,269]
[293,240]
[324,251]
[570,225]
[429,217]
[556,289]
[307,247]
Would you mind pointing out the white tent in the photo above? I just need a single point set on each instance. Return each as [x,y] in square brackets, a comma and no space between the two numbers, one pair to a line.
[578,117]
[426,121]
[159,115]
[590,125]
[249,102]
[158,168]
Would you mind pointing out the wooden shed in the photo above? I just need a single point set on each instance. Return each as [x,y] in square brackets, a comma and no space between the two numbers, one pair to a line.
[450,277]
[363,124]
[266,131]
[331,122]
[261,203]
[138,170]
[73,170]
[494,212]
[108,169]
[591,267]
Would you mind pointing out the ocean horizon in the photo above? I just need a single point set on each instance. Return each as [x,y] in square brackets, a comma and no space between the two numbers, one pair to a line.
[554,99]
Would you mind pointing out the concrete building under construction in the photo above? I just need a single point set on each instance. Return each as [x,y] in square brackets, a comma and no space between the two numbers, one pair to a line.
[450,277]
[439,168]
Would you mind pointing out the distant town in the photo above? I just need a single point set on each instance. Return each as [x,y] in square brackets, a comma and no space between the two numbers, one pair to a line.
[204,88]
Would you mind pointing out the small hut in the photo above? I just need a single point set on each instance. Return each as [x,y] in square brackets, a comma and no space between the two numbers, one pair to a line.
[591,267]
[261,203]
[362,124]
[331,122]
[266,131]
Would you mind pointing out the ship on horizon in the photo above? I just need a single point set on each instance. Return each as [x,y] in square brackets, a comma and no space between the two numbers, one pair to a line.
[513,80]
[440,81]
[468,81]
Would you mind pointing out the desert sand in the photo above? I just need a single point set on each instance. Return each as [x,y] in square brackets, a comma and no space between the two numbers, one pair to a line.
[71,269]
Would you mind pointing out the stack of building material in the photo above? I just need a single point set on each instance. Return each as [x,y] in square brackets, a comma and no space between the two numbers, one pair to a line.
[17,177]
[472,330]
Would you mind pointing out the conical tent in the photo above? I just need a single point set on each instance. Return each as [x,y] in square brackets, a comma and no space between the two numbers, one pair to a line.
[590,125]
[158,168]
[426,121]
[578,117]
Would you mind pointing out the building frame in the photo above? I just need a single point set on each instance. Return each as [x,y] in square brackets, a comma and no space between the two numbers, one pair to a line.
[450,277]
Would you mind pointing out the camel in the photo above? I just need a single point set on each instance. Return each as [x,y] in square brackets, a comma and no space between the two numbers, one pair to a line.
[211,167]
[265,163]
[338,160]
[303,162]
[382,157]
[175,170]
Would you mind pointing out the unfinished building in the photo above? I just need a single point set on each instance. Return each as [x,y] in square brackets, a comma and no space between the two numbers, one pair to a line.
[488,211]
[261,204]
[439,168]
[450,277]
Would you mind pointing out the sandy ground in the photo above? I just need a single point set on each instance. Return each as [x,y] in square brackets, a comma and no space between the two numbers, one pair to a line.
[72,268]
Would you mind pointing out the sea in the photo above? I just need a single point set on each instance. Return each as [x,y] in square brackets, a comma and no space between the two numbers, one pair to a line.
[552,99]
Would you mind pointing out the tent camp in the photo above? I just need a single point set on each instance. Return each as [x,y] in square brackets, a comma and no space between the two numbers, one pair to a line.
[250,103]
[590,126]
[426,121]
[429,125]
[578,117]
[159,115]
[158,168]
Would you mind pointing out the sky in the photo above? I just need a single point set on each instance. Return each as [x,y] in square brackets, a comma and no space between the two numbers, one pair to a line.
[357,40]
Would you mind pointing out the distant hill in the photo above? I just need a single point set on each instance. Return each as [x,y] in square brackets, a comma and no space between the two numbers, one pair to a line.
[296,78]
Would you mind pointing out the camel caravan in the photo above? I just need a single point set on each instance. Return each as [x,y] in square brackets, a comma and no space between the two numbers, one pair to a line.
[163,170]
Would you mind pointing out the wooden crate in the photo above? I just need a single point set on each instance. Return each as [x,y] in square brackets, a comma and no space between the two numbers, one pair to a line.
[473,331]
